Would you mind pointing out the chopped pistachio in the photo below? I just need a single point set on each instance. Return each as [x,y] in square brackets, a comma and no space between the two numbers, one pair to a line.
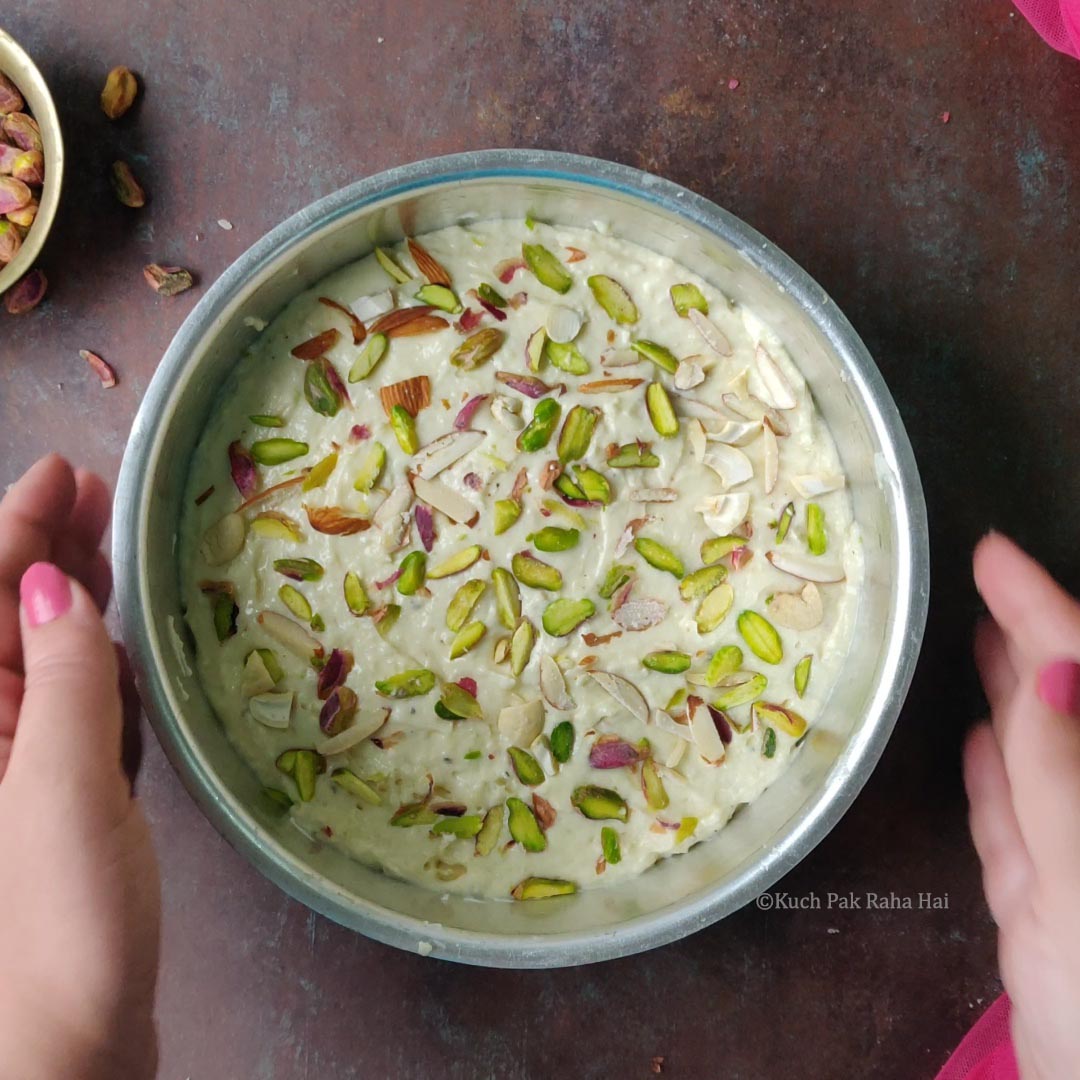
[322,387]
[687,828]
[609,845]
[577,432]
[562,617]
[635,455]
[488,836]
[413,572]
[299,569]
[652,786]
[273,525]
[454,564]
[617,576]
[816,538]
[413,814]
[787,720]
[535,574]
[701,581]
[600,804]
[677,699]
[500,653]
[524,827]
[474,755]
[739,689]
[356,598]
[593,484]
[304,767]
[663,358]
[272,664]
[761,636]
[568,489]
[445,299]
[413,683]
[466,638]
[783,522]
[553,538]
[277,451]
[668,662]
[539,430]
[566,356]
[526,767]
[507,597]
[371,468]
[490,295]
[404,429]
[318,623]
[661,411]
[464,828]
[276,801]
[225,614]
[655,554]
[541,888]
[685,297]
[464,600]
[387,618]
[373,351]
[718,547]
[507,511]
[296,602]
[725,661]
[714,608]
[802,674]
[392,267]
[459,703]
[562,741]
[348,781]
[266,420]
[546,267]
[477,349]
[614,299]
[320,473]
[768,742]
[521,646]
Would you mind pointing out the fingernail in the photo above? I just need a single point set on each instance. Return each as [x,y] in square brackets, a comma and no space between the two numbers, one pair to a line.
[1059,686]
[45,593]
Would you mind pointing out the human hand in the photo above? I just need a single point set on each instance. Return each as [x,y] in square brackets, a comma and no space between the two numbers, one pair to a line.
[1022,773]
[79,904]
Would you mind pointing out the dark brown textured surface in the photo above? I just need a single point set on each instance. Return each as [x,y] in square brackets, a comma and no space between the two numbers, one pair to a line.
[952,247]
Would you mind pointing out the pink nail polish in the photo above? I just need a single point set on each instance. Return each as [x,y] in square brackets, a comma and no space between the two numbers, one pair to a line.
[45,593]
[1059,686]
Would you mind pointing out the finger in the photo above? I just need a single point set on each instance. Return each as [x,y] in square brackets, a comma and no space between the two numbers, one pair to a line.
[131,750]
[70,720]
[994,664]
[34,509]
[1007,866]
[1039,617]
[89,567]
[11,688]
[92,510]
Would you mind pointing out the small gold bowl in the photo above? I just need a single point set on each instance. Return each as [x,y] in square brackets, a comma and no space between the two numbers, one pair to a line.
[23,72]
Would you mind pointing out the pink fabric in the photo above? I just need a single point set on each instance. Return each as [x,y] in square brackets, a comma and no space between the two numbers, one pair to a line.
[987,1051]
[1057,20]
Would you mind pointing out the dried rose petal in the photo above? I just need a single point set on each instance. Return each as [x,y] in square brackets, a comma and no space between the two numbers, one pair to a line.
[359,432]
[518,300]
[167,280]
[334,379]
[358,330]
[611,752]
[336,669]
[506,269]
[339,708]
[472,481]
[576,255]
[469,321]
[468,685]
[492,310]
[245,472]
[425,525]
[103,370]
[528,385]
[740,557]
[388,581]
[723,725]
[465,415]
[449,809]
[317,346]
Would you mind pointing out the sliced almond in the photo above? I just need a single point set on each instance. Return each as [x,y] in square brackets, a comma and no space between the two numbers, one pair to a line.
[710,333]
[392,517]
[522,724]
[797,611]
[807,567]
[707,739]
[430,460]
[553,685]
[651,494]
[688,374]
[663,720]
[624,692]
[624,357]
[364,725]
[640,614]
[701,410]
[273,710]
[256,678]
[633,526]
[740,384]
[444,499]
[731,465]
[734,432]
[366,308]
[609,386]
[723,514]
[413,394]
[563,324]
[290,634]
[753,408]
[810,486]
[224,540]
[696,437]
[771,450]
[335,521]
[778,391]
